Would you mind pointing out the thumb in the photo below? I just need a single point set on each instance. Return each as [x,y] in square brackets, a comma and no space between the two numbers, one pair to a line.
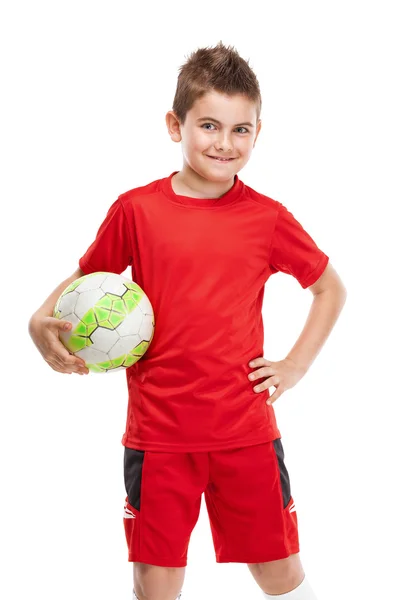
[64,325]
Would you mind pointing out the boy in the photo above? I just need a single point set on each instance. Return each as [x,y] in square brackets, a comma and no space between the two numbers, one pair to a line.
[200,418]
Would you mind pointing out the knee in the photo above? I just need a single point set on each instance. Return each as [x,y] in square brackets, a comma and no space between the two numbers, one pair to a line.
[278,576]
[276,569]
[152,582]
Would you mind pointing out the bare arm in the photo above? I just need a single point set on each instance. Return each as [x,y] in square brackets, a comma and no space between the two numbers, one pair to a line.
[329,298]
[46,310]
[44,330]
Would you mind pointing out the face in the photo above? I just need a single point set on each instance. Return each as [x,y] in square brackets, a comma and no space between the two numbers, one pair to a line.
[217,126]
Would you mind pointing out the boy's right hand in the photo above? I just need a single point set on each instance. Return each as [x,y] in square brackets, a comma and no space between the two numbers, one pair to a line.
[44,332]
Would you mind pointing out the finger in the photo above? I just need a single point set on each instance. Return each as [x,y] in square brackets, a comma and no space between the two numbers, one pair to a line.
[56,366]
[63,325]
[273,398]
[70,368]
[68,359]
[54,360]
[61,371]
[59,324]
[256,362]
[66,367]
[70,363]
[78,366]
[67,362]
[73,362]
[260,362]
[271,381]
[263,372]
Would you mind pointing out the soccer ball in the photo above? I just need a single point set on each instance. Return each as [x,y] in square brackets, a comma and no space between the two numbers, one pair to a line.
[112,321]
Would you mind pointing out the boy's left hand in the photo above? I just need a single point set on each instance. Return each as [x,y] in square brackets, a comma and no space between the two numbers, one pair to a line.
[283,375]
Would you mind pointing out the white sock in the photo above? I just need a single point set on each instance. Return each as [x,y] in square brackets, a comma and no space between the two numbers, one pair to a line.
[134,597]
[302,592]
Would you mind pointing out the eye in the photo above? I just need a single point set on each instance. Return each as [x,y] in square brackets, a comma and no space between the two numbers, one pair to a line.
[245,130]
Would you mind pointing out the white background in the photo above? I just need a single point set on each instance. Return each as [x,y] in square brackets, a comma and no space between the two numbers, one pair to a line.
[85,89]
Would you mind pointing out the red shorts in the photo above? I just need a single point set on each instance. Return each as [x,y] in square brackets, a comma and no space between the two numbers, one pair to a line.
[247,493]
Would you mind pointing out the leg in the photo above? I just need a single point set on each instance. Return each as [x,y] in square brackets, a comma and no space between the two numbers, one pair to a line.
[161,509]
[278,576]
[151,582]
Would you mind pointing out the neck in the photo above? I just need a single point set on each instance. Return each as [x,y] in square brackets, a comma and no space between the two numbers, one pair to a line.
[189,183]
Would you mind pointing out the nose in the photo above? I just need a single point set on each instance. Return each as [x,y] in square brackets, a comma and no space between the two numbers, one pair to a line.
[223,143]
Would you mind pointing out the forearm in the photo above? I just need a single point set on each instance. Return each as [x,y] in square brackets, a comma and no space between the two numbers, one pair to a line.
[324,312]
[46,309]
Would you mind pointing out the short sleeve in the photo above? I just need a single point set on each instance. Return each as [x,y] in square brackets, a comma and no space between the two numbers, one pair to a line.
[111,249]
[294,252]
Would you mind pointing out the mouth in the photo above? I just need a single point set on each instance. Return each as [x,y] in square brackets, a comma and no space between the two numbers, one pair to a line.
[220,159]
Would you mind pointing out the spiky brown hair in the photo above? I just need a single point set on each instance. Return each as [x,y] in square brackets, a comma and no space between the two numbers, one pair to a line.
[218,68]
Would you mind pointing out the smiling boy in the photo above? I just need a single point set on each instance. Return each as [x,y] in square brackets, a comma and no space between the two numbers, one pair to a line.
[208,171]
[200,419]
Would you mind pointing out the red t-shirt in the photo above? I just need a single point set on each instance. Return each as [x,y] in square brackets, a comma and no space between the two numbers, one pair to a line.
[203,263]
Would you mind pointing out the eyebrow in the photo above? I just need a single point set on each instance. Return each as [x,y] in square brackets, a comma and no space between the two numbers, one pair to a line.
[219,122]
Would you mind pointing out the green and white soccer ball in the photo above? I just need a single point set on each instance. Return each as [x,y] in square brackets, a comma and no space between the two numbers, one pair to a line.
[112,321]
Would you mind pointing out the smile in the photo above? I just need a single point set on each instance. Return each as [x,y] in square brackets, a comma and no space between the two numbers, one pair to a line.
[220,159]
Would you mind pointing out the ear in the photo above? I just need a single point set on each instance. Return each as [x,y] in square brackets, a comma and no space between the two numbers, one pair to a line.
[257,131]
[173,126]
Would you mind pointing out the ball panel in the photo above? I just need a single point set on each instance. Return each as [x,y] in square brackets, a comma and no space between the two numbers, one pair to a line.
[115,284]
[124,346]
[92,355]
[87,300]
[104,339]
[145,306]
[92,281]
[66,304]
[129,301]
[140,349]
[131,324]
[146,327]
